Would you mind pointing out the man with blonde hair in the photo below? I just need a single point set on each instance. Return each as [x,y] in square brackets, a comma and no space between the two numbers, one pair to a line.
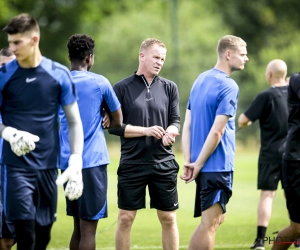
[270,107]
[150,106]
[208,139]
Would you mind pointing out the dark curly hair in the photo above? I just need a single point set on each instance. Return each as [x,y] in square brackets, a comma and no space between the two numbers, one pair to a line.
[80,46]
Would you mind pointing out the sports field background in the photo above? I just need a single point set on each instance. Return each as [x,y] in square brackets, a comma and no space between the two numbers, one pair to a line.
[237,232]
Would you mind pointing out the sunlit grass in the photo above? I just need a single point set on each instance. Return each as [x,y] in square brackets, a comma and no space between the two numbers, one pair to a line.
[238,231]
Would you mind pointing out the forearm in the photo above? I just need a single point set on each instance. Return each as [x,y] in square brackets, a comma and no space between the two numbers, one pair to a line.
[244,121]
[212,141]
[116,119]
[185,141]
[134,131]
[76,137]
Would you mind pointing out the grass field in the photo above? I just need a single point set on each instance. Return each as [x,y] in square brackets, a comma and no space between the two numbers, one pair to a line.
[238,231]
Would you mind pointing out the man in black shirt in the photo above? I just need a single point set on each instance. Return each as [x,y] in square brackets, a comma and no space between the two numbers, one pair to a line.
[271,109]
[291,168]
[150,106]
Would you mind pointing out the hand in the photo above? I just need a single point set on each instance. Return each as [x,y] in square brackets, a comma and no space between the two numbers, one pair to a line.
[21,142]
[190,172]
[169,139]
[73,175]
[106,120]
[156,131]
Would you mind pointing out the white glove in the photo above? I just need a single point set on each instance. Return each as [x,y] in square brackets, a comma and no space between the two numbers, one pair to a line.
[73,175]
[21,142]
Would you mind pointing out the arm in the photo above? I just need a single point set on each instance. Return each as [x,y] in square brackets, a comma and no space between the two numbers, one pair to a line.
[213,139]
[185,140]
[73,174]
[116,119]
[76,136]
[244,121]
[137,131]
[173,119]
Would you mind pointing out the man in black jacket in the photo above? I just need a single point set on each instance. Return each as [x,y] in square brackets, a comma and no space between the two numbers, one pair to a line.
[151,121]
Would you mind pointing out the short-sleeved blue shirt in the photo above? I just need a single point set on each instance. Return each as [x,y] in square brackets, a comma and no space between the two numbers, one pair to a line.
[92,90]
[30,100]
[212,94]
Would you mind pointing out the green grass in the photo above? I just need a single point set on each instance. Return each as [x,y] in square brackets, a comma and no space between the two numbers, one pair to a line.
[237,232]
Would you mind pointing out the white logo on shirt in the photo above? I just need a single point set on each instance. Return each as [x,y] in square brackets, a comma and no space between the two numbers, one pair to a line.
[175,204]
[30,79]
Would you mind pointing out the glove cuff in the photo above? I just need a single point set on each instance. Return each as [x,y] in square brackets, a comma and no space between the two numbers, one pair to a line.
[76,160]
[8,132]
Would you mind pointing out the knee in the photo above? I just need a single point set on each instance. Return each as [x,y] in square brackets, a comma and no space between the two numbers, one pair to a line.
[125,219]
[167,218]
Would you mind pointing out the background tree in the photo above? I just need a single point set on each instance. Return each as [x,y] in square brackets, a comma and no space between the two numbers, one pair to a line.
[190,29]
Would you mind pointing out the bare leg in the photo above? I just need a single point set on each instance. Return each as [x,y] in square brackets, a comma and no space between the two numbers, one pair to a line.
[75,238]
[122,236]
[203,237]
[288,234]
[6,244]
[170,237]
[87,234]
[264,210]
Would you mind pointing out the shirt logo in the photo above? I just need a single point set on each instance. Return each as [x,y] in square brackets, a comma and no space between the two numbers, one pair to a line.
[30,79]
[175,204]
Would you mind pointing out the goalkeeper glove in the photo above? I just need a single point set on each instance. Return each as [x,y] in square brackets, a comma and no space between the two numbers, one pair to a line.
[73,176]
[21,142]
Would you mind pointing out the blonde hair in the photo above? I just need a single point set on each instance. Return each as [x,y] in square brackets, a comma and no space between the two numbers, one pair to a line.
[149,42]
[229,42]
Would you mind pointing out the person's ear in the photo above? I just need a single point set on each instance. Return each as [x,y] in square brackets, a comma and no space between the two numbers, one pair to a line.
[227,55]
[142,56]
[35,40]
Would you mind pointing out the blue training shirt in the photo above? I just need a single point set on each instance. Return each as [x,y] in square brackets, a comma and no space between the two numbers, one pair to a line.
[213,93]
[30,100]
[92,90]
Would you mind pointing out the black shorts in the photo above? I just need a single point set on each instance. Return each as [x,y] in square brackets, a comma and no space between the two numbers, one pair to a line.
[291,183]
[212,187]
[29,194]
[161,179]
[268,176]
[92,205]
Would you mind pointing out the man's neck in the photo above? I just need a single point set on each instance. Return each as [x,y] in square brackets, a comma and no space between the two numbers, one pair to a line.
[278,83]
[149,78]
[78,67]
[33,61]
[223,67]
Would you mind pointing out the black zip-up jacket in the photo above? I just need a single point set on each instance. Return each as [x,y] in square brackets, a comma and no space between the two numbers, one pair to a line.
[146,105]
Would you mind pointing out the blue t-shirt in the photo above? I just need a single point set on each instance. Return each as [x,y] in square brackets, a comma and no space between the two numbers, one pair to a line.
[213,93]
[30,100]
[92,90]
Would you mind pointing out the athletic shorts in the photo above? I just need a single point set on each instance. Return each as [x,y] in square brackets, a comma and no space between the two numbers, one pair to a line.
[29,194]
[92,205]
[268,176]
[161,179]
[291,183]
[212,187]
